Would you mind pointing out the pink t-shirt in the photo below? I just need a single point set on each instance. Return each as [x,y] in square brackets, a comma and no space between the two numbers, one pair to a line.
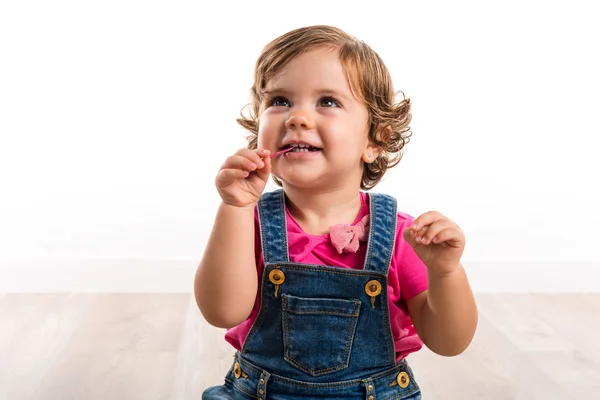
[407,275]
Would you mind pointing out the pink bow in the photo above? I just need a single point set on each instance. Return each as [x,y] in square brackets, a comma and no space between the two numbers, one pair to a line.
[346,237]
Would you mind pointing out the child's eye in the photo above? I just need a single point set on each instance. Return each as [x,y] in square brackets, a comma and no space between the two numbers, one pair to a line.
[279,102]
[329,102]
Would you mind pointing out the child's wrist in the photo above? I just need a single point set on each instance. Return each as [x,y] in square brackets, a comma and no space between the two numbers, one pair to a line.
[446,273]
[245,208]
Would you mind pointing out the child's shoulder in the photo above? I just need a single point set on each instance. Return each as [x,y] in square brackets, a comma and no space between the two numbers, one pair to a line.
[403,217]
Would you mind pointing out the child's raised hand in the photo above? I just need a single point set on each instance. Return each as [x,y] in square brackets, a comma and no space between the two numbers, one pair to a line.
[243,177]
[438,242]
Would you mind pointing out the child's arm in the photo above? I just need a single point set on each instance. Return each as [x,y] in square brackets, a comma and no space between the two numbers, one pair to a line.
[226,280]
[445,316]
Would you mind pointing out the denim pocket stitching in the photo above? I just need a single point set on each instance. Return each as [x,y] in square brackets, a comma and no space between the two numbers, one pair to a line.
[402,396]
[323,371]
[235,385]
[327,269]
[323,312]
[352,323]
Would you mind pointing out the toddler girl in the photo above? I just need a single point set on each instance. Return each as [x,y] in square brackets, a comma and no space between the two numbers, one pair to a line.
[324,287]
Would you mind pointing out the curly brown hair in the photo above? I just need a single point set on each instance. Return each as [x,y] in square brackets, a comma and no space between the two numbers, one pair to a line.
[367,76]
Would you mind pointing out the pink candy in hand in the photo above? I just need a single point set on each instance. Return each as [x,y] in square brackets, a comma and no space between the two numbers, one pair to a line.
[281,152]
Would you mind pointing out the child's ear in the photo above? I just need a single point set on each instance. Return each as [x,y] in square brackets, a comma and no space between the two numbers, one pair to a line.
[372,151]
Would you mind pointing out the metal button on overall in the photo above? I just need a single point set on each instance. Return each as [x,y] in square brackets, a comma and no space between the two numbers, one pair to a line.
[403,379]
[372,289]
[277,277]
[237,370]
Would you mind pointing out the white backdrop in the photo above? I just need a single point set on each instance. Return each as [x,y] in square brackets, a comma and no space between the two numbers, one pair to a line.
[115,116]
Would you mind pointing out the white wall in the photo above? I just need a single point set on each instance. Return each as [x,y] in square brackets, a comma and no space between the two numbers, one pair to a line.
[115,115]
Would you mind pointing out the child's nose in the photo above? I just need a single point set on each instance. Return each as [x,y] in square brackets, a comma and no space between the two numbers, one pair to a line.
[299,119]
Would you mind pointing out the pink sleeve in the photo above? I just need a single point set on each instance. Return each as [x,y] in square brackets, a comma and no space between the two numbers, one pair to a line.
[412,272]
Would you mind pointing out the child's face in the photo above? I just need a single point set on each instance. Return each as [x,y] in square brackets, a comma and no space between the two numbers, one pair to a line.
[309,102]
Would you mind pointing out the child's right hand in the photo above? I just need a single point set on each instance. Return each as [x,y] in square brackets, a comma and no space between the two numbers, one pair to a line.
[243,177]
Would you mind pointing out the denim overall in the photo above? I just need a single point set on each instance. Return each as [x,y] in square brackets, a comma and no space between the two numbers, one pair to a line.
[322,332]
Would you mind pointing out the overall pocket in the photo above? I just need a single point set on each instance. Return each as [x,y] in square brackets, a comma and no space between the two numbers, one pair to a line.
[318,333]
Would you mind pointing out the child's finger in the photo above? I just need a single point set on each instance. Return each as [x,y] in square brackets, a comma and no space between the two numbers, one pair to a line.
[451,236]
[262,153]
[409,236]
[426,219]
[414,237]
[226,176]
[252,155]
[436,228]
[241,162]
[420,234]
[264,172]
[256,156]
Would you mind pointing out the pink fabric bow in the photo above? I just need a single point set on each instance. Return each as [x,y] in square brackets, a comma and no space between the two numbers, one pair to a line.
[346,237]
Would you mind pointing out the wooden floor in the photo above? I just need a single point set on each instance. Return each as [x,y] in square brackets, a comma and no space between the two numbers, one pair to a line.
[156,346]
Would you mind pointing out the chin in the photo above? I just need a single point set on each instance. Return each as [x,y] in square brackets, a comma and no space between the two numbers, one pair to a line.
[301,182]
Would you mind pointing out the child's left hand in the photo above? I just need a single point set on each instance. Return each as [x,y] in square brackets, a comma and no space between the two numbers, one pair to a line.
[438,242]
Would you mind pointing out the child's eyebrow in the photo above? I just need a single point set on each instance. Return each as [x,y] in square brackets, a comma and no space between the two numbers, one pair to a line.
[319,92]
[275,90]
[331,92]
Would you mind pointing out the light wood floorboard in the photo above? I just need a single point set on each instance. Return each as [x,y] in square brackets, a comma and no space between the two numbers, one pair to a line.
[157,346]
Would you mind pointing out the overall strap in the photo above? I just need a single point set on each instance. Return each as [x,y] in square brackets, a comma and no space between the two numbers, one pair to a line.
[382,232]
[273,229]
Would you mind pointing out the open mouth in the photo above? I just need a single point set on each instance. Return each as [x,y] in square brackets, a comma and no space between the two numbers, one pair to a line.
[301,148]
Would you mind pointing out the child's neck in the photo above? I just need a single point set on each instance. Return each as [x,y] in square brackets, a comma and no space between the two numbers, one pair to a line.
[316,212]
